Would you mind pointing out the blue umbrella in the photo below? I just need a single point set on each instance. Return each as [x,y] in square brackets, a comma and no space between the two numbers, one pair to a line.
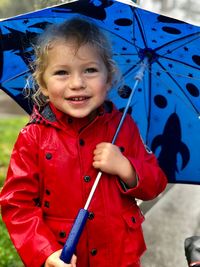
[166,102]
[159,58]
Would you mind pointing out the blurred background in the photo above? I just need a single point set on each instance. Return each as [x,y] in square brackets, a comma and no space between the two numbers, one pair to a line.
[172,217]
[187,10]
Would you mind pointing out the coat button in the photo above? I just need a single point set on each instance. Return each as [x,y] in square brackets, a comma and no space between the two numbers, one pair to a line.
[37,201]
[81,142]
[70,120]
[47,204]
[87,178]
[122,149]
[91,216]
[62,234]
[47,192]
[133,219]
[48,155]
[93,252]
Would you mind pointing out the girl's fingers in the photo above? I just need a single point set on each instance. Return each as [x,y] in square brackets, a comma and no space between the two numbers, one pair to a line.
[74,260]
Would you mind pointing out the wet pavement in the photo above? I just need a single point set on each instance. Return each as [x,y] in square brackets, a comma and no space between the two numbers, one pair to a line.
[173,218]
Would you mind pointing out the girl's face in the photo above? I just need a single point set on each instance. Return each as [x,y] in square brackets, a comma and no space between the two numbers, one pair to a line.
[76,81]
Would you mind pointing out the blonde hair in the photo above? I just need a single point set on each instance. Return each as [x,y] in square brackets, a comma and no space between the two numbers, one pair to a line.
[83,32]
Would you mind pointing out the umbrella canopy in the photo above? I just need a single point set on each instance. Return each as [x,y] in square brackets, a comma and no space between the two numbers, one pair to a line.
[166,103]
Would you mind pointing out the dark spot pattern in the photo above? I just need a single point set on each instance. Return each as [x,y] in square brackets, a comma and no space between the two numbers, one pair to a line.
[160,101]
[123,22]
[196,59]
[192,90]
[171,30]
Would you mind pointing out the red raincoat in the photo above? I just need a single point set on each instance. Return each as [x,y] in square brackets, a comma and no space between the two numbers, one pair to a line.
[50,176]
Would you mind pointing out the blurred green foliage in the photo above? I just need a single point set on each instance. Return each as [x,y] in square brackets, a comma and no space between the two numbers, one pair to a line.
[9,129]
[8,255]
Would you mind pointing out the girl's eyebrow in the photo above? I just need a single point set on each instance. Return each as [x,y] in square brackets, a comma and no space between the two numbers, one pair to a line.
[59,66]
[91,63]
[82,64]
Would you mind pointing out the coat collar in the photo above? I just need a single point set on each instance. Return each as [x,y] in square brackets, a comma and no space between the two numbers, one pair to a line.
[50,115]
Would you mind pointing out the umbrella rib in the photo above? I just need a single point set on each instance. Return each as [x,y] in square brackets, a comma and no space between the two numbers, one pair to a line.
[189,41]
[149,105]
[116,34]
[139,21]
[132,68]
[16,76]
[197,34]
[178,86]
[181,62]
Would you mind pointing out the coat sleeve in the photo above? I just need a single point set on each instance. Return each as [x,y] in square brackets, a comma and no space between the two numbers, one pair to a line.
[20,208]
[151,179]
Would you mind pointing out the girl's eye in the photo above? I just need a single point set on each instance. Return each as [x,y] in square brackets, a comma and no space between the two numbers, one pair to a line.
[61,72]
[91,70]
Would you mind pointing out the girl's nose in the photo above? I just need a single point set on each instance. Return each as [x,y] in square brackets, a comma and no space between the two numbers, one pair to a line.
[76,82]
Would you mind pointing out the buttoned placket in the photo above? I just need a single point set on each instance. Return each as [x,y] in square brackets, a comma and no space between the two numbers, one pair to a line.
[88,180]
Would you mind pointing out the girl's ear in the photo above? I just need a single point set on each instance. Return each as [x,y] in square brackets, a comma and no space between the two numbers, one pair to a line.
[108,86]
[44,90]
[109,83]
[43,87]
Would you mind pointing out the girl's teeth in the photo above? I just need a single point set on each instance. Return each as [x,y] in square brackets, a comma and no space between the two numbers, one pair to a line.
[78,98]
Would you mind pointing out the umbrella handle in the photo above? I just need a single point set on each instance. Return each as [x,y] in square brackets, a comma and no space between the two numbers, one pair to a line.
[74,235]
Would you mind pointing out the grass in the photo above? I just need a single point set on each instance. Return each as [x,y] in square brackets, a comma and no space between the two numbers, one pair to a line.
[9,129]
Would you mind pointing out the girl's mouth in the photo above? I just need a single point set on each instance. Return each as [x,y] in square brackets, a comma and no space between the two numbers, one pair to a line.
[78,98]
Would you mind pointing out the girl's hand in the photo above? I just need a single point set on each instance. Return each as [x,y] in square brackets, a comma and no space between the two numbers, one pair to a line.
[54,260]
[108,158]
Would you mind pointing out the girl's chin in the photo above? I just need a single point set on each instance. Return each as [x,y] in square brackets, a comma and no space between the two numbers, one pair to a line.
[92,114]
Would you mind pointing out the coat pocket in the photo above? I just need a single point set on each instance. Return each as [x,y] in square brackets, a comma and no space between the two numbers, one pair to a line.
[134,244]
[60,227]
[133,217]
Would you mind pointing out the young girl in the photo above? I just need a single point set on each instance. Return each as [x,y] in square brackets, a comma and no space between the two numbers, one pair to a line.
[58,154]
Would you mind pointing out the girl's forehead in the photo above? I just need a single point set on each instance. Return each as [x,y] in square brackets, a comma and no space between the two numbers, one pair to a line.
[70,42]
[71,46]
[66,52]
